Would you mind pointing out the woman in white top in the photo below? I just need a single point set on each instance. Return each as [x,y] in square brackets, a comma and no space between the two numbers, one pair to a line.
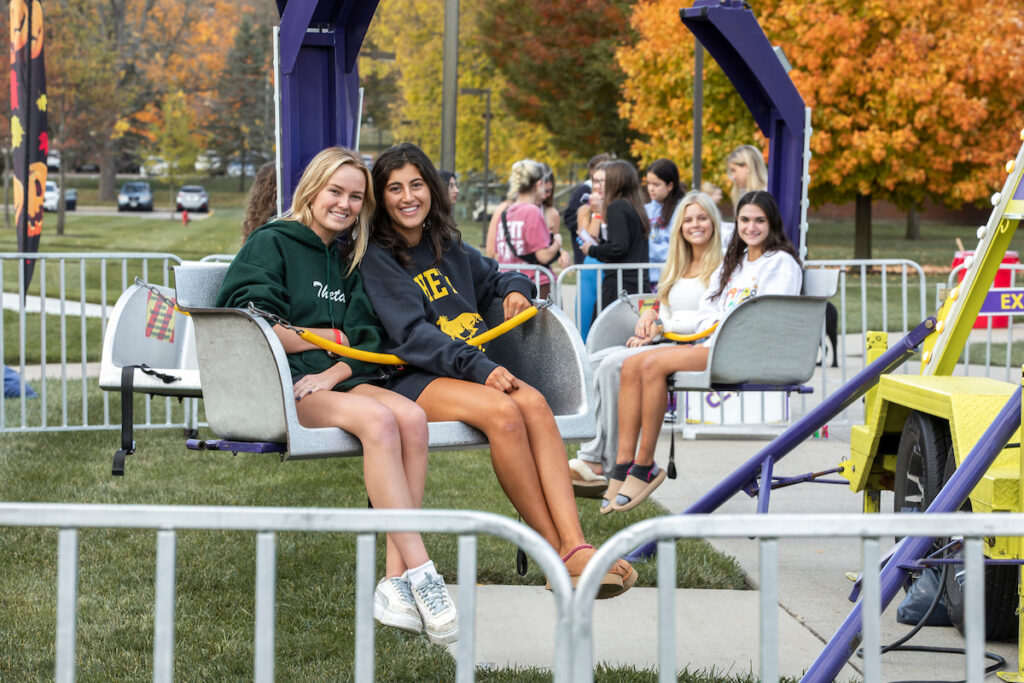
[693,254]
[759,260]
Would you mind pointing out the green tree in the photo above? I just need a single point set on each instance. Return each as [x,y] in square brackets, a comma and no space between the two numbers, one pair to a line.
[243,124]
[557,58]
[176,141]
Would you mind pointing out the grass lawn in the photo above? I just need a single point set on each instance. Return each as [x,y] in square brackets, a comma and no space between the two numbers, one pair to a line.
[215,570]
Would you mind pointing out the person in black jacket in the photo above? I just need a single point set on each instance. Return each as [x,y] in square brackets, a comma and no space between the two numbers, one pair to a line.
[623,237]
[428,287]
[576,200]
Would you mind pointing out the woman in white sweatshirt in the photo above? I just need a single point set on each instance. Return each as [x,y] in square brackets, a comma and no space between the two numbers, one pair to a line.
[694,252]
[759,260]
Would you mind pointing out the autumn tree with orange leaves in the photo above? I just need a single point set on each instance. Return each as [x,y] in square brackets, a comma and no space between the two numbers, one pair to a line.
[914,100]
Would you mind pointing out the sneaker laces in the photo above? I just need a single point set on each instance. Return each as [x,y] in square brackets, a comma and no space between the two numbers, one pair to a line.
[404,589]
[432,591]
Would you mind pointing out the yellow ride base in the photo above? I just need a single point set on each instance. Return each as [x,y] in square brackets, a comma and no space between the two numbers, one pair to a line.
[968,404]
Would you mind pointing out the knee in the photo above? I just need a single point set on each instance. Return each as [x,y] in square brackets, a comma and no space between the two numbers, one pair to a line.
[631,367]
[532,402]
[380,427]
[412,422]
[652,371]
[504,416]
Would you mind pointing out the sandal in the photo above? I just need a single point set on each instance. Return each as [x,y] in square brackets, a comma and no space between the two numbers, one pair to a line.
[635,490]
[585,482]
[619,579]
[608,500]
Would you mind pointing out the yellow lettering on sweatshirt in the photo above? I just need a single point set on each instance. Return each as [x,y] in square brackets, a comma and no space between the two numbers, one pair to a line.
[432,283]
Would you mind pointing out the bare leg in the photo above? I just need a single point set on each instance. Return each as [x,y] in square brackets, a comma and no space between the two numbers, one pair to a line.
[654,371]
[527,451]
[412,426]
[378,429]
[642,393]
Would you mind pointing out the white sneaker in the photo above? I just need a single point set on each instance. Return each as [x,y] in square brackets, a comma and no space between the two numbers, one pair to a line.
[440,620]
[394,605]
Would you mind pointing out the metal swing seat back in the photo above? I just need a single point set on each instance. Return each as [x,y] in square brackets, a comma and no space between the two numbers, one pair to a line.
[767,343]
[247,385]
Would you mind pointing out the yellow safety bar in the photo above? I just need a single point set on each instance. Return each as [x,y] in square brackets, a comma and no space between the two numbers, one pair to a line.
[392,359]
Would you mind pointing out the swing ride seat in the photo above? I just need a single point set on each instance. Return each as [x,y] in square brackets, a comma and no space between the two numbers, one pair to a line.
[136,336]
[767,343]
[247,386]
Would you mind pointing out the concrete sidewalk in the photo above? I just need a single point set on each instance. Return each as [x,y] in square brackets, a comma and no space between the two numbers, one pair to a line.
[718,629]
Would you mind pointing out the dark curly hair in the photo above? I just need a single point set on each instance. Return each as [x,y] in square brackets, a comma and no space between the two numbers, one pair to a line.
[439,226]
[776,240]
[262,203]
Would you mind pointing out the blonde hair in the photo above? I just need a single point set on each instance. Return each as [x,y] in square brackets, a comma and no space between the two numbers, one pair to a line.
[757,172]
[524,175]
[315,177]
[680,252]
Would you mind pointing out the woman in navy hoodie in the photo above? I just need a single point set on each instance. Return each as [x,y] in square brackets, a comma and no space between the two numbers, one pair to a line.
[428,287]
[302,267]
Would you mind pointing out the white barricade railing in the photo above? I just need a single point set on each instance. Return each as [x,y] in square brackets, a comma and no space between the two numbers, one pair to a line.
[873,530]
[574,641]
[895,274]
[532,271]
[70,289]
[265,523]
[997,328]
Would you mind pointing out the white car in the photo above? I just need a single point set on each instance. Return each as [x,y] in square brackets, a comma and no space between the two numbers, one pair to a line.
[51,197]
[193,198]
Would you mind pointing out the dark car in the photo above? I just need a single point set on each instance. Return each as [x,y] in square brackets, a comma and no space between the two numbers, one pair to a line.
[135,196]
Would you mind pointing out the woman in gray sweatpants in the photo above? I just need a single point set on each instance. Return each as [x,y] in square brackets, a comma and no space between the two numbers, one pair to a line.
[694,253]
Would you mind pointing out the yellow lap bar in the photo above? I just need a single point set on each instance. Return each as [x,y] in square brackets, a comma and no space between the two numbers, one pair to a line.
[501,329]
[690,337]
[392,359]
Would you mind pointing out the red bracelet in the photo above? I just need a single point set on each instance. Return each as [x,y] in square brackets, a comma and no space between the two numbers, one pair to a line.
[337,336]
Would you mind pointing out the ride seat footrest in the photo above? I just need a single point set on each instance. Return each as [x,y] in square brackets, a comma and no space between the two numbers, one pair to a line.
[235,446]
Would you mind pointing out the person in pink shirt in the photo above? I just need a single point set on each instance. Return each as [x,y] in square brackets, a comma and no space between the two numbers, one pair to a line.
[522,235]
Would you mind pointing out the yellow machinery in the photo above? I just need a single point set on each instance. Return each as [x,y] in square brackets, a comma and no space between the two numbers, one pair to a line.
[917,429]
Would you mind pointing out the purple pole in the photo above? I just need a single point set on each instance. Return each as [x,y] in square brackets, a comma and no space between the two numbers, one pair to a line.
[842,645]
[799,431]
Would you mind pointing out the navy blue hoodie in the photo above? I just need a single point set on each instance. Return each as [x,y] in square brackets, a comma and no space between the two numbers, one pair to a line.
[428,310]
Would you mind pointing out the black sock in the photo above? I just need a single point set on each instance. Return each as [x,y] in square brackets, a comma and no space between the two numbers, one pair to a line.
[619,471]
[641,471]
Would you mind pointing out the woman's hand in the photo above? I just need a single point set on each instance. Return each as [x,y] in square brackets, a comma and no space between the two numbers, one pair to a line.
[585,247]
[322,381]
[502,380]
[563,259]
[646,327]
[514,304]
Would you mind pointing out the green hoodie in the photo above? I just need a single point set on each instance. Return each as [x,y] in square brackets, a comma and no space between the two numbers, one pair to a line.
[284,268]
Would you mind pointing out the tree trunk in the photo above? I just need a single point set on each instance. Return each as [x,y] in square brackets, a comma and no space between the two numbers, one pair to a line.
[108,172]
[862,228]
[913,224]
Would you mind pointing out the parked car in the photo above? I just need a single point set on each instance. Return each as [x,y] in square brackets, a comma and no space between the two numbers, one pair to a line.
[87,167]
[193,198]
[51,197]
[209,162]
[135,196]
[53,160]
[235,169]
[153,166]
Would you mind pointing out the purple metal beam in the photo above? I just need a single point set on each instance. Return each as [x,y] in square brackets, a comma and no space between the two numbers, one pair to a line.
[319,44]
[843,644]
[730,33]
[803,428]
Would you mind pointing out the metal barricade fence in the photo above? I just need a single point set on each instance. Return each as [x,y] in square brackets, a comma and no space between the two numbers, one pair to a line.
[265,523]
[997,331]
[875,284]
[73,296]
[532,271]
[574,609]
[769,529]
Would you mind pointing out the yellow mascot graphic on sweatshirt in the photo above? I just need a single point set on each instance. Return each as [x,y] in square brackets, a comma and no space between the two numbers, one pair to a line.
[463,327]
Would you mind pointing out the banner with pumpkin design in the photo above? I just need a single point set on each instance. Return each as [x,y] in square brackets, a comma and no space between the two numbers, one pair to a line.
[29,141]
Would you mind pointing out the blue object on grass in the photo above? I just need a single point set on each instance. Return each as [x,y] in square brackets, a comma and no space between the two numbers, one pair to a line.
[12,385]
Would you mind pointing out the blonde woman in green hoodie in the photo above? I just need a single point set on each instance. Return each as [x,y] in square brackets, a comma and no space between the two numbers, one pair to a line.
[302,267]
